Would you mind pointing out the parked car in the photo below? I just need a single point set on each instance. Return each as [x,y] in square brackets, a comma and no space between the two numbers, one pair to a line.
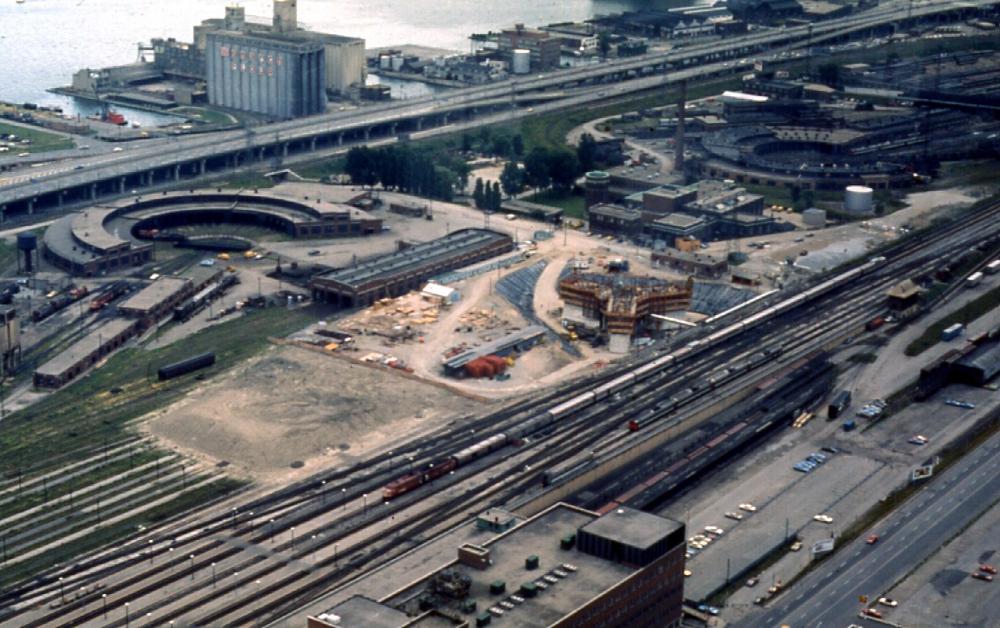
[748,507]
[752,582]
[988,569]
[872,539]
[823,518]
[884,601]
[985,577]
[735,516]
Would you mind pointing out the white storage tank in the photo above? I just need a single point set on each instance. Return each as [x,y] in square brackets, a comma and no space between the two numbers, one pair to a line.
[858,199]
[385,62]
[397,63]
[814,218]
[521,61]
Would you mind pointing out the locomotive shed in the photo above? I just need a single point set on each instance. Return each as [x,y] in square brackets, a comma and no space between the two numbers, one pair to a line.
[105,238]
[398,273]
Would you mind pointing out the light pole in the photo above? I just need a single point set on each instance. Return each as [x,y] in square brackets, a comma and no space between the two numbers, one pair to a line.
[323,491]
[213,575]
[104,604]
[314,547]
[272,530]
[343,496]
[150,551]
[364,505]
[126,615]
[292,530]
[191,556]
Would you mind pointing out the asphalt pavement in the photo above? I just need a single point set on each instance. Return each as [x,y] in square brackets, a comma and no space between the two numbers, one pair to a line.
[829,596]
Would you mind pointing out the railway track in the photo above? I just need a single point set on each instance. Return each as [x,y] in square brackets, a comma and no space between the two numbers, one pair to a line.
[215,546]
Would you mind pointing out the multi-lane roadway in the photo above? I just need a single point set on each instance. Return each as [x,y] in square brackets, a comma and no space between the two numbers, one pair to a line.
[696,61]
[830,595]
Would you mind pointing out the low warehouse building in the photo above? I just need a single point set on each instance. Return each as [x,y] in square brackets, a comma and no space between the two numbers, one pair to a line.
[157,299]
[405,270]
[84,353]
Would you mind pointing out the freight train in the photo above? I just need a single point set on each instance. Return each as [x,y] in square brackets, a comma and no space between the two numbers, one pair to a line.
[556,413]
[59,302]
[108,295]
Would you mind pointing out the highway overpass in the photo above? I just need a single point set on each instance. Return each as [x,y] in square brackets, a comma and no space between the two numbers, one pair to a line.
[155,164]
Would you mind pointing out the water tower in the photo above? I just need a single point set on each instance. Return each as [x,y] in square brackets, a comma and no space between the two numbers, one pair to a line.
[27,245]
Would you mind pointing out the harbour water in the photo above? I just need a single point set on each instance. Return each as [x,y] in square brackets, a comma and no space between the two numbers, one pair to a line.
[42,42]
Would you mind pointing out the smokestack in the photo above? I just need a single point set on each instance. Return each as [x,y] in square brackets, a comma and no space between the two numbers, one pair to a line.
[679,141]
[285,16]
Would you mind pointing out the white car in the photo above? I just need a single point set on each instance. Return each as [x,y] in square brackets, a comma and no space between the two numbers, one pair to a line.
[884,601]
[748,507]
[117,149]
[735,516]
[823,518]
[714,530]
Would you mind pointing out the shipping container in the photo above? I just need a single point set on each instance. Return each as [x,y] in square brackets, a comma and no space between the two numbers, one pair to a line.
[839,404]
[952,332]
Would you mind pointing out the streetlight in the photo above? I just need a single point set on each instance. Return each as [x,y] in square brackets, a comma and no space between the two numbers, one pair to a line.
[150,551]
[323,491]
[191,556]
[213,575]
[272,530]
[62,594]
[364,504]
[104,604]
[343,496]
[292,530]
[126,615]
[314,547]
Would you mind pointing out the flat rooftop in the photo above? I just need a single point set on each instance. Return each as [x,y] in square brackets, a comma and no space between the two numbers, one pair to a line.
[87,345]
[679,221]
[632,527]
[361,611]
[539,536]
[411,259]
[154,294]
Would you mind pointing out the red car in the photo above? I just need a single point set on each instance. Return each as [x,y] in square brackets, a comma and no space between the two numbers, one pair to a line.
[988,569]
[872,612]
[985,577]
[872,539]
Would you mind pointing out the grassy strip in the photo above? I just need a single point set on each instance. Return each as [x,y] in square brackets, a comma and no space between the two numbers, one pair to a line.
[8,253]
[41,141]
[80,416]
[571,204]
[103,536]
[55,492]
[964,315]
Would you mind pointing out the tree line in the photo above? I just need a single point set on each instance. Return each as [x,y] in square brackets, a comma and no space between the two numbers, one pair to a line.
[407,169]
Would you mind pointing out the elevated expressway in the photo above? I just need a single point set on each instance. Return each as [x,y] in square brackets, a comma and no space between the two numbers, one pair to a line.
[154,164]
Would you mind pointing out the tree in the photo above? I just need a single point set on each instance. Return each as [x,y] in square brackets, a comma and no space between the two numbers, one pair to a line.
[501,146]
[829,74]
[603,44]
[536,168]
[563,168]
[512,179]
[586,152]
[517,145]
[496,199]
[360,166]
[478,195]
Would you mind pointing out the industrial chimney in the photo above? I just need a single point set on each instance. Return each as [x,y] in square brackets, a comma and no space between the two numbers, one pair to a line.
[285,16]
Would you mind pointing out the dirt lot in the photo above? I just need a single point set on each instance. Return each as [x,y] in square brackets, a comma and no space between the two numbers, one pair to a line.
[291,404]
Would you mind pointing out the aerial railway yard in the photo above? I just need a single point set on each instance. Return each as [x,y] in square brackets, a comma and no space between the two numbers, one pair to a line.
[244,564]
